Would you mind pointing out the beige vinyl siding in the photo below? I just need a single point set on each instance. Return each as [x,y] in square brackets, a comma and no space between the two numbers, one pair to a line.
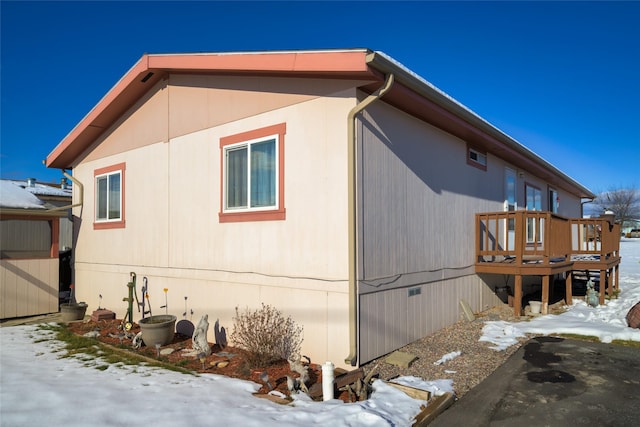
[28,287]
[172,200]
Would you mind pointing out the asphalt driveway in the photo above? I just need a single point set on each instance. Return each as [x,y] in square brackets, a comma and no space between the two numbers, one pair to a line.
[555,382]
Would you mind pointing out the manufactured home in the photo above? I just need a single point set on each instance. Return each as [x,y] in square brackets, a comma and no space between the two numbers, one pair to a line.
[337,186]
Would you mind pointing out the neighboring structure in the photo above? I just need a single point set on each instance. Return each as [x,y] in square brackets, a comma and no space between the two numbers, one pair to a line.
[33,235]
[337,186]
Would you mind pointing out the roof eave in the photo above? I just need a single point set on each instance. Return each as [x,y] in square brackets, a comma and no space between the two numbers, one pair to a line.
[8,213]
[150,69]
[491,136]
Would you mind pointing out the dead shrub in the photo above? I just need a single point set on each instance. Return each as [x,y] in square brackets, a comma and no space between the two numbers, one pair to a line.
[266,336]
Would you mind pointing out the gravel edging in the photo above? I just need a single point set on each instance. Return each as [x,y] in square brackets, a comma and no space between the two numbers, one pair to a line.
[474,364]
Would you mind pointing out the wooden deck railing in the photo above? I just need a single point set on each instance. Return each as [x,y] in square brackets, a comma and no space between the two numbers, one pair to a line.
[530,243]
[595,236]
[522,236]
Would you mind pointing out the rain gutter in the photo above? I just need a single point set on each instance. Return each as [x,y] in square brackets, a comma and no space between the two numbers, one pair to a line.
[352,358]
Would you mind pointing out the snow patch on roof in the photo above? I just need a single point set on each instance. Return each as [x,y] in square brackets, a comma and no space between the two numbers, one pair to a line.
[47,190]
[12,195]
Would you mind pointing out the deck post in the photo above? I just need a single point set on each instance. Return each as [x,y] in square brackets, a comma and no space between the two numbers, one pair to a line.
[545,294]
[517,295]
[568,288]
[603,284]
[617,277]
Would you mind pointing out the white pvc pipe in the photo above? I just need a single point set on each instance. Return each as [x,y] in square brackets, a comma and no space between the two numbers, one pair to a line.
[327,381]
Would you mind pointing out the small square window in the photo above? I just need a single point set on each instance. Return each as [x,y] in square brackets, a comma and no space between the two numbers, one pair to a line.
[477,158]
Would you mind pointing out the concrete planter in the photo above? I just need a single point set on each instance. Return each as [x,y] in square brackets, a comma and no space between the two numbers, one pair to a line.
[158,329]
[71,312]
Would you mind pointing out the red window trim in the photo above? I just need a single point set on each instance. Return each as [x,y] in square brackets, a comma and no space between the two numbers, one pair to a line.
[269,215]
[110,224]
[476,164]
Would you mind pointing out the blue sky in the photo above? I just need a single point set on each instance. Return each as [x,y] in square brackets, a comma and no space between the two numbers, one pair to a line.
[560,77]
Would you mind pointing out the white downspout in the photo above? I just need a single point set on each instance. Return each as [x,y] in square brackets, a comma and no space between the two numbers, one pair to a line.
[81,195]
[352,358]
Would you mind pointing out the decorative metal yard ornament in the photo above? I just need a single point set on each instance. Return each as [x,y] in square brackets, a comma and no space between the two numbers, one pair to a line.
[220,334]
[185,307]
[166,305]
[145,296]
[137,341]
[184,326]
[591,295]
[203,358]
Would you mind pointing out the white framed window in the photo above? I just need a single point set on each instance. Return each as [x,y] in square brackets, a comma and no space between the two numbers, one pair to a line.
[109,196]
[510,205]
[252,184]
[534,198]
[251,175]
[510,190]
[534,203]
[476,158]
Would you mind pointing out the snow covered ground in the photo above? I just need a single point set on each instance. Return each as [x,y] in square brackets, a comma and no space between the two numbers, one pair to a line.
[606,322]
[38,387]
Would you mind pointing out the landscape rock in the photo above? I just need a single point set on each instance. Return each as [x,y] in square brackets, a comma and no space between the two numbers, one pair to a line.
[633,316]
[200,343]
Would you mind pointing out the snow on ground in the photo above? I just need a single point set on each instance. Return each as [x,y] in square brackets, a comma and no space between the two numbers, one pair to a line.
[38,387]
[447,357]
[607,322]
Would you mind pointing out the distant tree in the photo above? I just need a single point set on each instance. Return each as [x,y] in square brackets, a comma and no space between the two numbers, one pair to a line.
[625,204]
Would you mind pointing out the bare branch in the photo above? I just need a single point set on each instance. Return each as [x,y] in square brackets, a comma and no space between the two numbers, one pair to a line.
[625,204]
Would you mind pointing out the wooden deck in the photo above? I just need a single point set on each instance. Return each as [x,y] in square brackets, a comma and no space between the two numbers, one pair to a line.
[534,243]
